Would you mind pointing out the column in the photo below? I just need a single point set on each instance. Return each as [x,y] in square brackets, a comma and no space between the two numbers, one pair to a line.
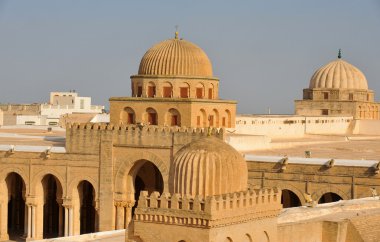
[29,233]
[26,221]
[71,221]
[128,212]
[96,206]
[119,215]
[68,223]
[66,232]
[33,220]
[60,216]
[3,221]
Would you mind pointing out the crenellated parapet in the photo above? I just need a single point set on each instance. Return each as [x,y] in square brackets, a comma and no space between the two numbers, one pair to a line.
[210,211]
[86,137]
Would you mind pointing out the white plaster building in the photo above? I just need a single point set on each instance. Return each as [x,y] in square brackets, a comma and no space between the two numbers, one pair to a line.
[60,103]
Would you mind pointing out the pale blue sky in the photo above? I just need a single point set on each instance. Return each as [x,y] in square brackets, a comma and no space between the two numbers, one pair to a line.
[264,52]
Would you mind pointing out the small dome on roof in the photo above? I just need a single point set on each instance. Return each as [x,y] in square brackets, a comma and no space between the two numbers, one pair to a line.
[175,57]
[339,74]
[209,166]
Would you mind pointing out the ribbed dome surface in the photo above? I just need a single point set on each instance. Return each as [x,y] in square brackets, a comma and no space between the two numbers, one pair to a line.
[175,57]
[208,166]
[339,74]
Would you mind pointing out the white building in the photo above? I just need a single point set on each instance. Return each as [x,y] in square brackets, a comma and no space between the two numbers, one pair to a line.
[48,113]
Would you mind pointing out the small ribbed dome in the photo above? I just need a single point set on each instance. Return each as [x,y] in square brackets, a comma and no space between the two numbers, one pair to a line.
[208,166]
[339,74]
[175,57]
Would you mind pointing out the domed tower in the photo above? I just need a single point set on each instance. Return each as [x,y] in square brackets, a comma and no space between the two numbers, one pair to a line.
[174,86]
[338,88]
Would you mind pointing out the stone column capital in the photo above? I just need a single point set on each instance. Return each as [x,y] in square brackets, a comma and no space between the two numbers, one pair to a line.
[67,203]
[30,200]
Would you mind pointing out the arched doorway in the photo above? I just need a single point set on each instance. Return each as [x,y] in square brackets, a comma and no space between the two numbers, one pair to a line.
[151,117]
[201,118]
[16,205]
[128,116]
[173,117]
[214,118]
[52,207]
[329,197]
[289,199]
[87,210]
[146,177]
[227,123]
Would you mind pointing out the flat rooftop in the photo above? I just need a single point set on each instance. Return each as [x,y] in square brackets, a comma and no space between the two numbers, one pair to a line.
[353,147]
[356,147]
[32,136]
[335,211]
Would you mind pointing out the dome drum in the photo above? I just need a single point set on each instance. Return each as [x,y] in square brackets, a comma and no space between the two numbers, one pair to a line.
[204,88]
[338,94]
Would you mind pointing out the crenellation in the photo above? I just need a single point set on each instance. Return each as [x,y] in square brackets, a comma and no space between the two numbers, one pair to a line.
[86,137]
[218,203]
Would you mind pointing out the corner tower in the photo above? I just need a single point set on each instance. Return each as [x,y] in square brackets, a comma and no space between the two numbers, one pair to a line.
[338,88]
[174,86]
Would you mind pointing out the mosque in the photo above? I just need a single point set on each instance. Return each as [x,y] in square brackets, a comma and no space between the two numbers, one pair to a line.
[162,170]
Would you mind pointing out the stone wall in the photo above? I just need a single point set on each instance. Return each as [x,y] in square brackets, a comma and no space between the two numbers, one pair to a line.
[347,181]
[228,217]
[366,127]
[290,126]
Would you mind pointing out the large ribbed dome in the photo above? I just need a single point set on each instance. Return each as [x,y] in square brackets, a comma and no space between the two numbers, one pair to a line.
[175,57]
[208,166]
[339,74]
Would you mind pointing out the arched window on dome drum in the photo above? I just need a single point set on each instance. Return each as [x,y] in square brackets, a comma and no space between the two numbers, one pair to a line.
[127,116]
[184,90]
[199,91]
[151,116]
[151,89]
[139,90]
[167,90]
[211,91]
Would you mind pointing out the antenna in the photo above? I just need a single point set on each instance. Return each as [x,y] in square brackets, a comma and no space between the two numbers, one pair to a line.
[176,32]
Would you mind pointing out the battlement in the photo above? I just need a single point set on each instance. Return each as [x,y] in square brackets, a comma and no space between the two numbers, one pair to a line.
[145,128]
[212,211]
[86,137]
